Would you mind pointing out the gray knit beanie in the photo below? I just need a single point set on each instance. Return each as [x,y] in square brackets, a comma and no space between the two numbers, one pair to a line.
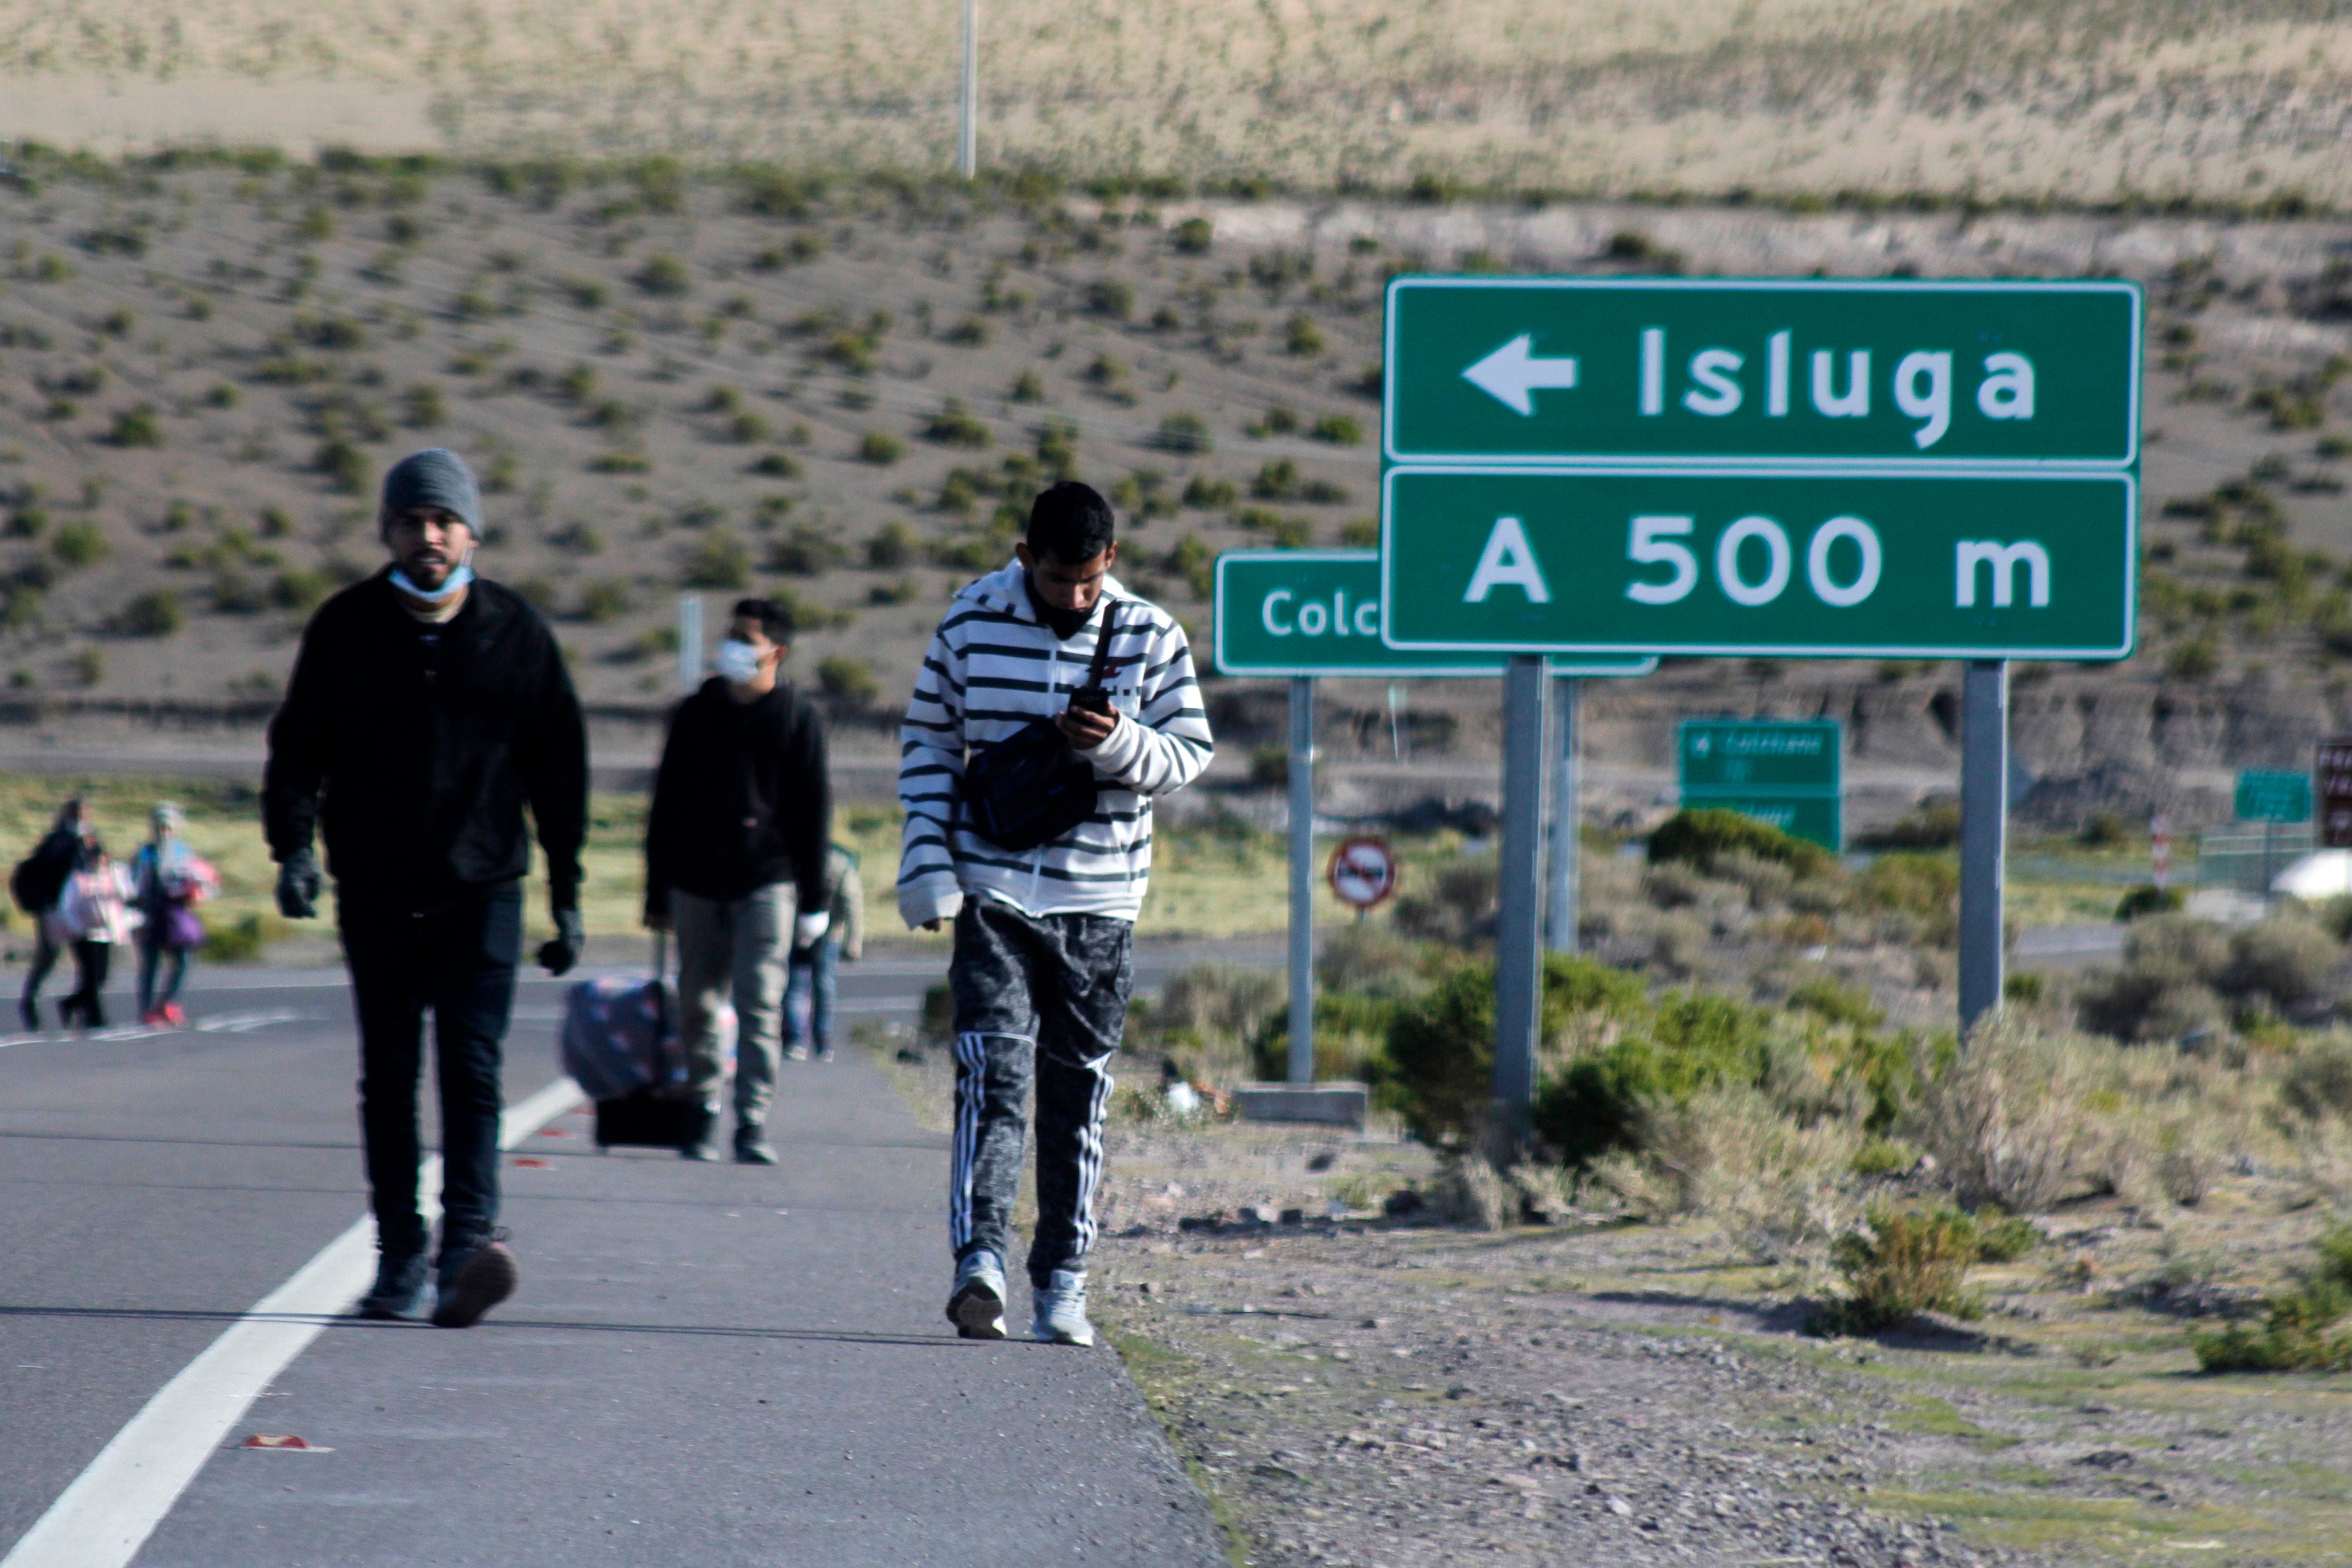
[434,477]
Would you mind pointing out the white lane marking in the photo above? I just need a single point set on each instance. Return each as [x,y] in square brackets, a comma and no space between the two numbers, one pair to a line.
[245,1022]
[107,1514]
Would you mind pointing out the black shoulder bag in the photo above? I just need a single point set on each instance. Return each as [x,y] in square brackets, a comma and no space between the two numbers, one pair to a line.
[1030,788]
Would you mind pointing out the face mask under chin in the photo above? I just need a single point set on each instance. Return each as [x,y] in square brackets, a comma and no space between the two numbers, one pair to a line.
[456,584]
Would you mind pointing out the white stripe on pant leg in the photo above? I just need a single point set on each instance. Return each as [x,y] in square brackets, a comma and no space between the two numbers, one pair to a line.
[972,1053]
[1091,1156]
[113,1507]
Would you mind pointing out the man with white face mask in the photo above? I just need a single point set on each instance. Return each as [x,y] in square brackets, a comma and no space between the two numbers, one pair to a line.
[428,707]
[735,863]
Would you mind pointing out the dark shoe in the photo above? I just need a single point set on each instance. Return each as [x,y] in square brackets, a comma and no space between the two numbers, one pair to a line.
[399,1284]
[476,1274]
[28,1012]
[706,1148]
[825,1051]
[751,1148]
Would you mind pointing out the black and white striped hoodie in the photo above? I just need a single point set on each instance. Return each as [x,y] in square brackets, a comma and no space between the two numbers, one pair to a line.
[994,666]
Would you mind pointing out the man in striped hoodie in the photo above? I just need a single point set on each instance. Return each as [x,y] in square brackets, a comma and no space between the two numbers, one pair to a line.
[1043,936]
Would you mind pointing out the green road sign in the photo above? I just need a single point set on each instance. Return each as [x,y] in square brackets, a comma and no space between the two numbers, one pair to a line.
[1317,612]
[1892,373]
[1786,772]
[1818,819]
[1746,756]
[2267,797]
[1775,563]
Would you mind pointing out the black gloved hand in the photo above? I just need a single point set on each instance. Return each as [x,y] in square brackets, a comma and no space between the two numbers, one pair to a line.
[299,884]
[560,953]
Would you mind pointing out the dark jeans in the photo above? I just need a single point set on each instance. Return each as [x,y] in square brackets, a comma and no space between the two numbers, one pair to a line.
[813,975]
[1038,999]
[91,961]
[459,961]
[172,960]
[46,954]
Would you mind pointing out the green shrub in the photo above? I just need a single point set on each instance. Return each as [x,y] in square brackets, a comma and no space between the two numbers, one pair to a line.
[719,560]
[1692,1042]
[891,549]
[1440,1046]
[80,544]
[1825,998]
[1908,1261]
[954,425]
[848,679]
[1192,236]
[2006,1239]
[1340,429]
[880,448]
[137,428]
[154,614]
[1111,297]
[2295,1337]
[242,941]
[301,590]
[1700,835]
[2148,899]
[664,275]
[2318,1082]
[1182,433]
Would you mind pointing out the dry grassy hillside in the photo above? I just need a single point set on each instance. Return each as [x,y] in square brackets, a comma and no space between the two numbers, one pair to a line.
[847,390]
[2224,101]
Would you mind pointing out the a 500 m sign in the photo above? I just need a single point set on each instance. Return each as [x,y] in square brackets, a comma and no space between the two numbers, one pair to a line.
[1768,561]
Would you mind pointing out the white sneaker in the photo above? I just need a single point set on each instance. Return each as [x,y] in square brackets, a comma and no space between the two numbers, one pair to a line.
[976,1307]
[1062,1311]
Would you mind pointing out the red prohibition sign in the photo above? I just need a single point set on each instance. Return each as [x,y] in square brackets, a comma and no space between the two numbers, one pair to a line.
[1363,872]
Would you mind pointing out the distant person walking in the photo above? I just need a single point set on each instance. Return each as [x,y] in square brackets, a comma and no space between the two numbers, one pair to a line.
[1049,695]
[815,966]
[37,884]
[735,863]
[430,706]
[168,881]
[93,917]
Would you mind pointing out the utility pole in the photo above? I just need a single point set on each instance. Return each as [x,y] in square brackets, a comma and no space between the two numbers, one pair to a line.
[968,131]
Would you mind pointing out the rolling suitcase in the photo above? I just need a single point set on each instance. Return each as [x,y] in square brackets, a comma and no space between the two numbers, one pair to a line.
[619,1044]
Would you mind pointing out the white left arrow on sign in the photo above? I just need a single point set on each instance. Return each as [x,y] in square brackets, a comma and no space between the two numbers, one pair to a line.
[1512,374]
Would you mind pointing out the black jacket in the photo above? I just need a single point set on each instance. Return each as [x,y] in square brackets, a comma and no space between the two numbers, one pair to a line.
[428,741]
[743,800]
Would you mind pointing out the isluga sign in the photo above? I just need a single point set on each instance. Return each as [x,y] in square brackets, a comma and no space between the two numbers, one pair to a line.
[1795,469]
[1886,373]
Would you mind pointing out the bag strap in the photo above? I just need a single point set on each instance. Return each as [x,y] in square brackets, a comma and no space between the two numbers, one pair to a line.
[1101,667]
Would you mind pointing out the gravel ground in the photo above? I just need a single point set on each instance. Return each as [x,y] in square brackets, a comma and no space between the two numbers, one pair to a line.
[1387,1393]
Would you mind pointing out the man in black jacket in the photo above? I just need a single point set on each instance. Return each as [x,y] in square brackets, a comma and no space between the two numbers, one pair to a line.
[430,706]
[735,852]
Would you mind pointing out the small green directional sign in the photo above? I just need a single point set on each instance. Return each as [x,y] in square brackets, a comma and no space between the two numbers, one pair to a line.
[1786,772]
[1898,373]
[1317,612]
[2267,795]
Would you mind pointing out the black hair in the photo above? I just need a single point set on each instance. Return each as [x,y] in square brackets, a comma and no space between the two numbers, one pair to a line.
[1070,522]
[774,619]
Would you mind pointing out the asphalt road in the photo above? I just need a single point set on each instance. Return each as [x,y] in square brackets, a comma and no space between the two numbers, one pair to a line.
[705,1364]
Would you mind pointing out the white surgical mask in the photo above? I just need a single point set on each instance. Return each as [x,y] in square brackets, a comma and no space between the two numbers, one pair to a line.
[447,591]
[737,663]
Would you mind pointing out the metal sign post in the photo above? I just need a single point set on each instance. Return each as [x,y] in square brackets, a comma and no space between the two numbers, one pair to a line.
[1302,879]
[1984,834]
[1567,823]
[690,642]
[1518,964]
[968,124]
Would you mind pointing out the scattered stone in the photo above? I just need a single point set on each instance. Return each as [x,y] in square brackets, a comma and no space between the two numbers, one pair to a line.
[2106,1460]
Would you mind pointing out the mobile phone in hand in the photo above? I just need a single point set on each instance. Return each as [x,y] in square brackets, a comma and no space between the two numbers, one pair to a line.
[1091,700]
